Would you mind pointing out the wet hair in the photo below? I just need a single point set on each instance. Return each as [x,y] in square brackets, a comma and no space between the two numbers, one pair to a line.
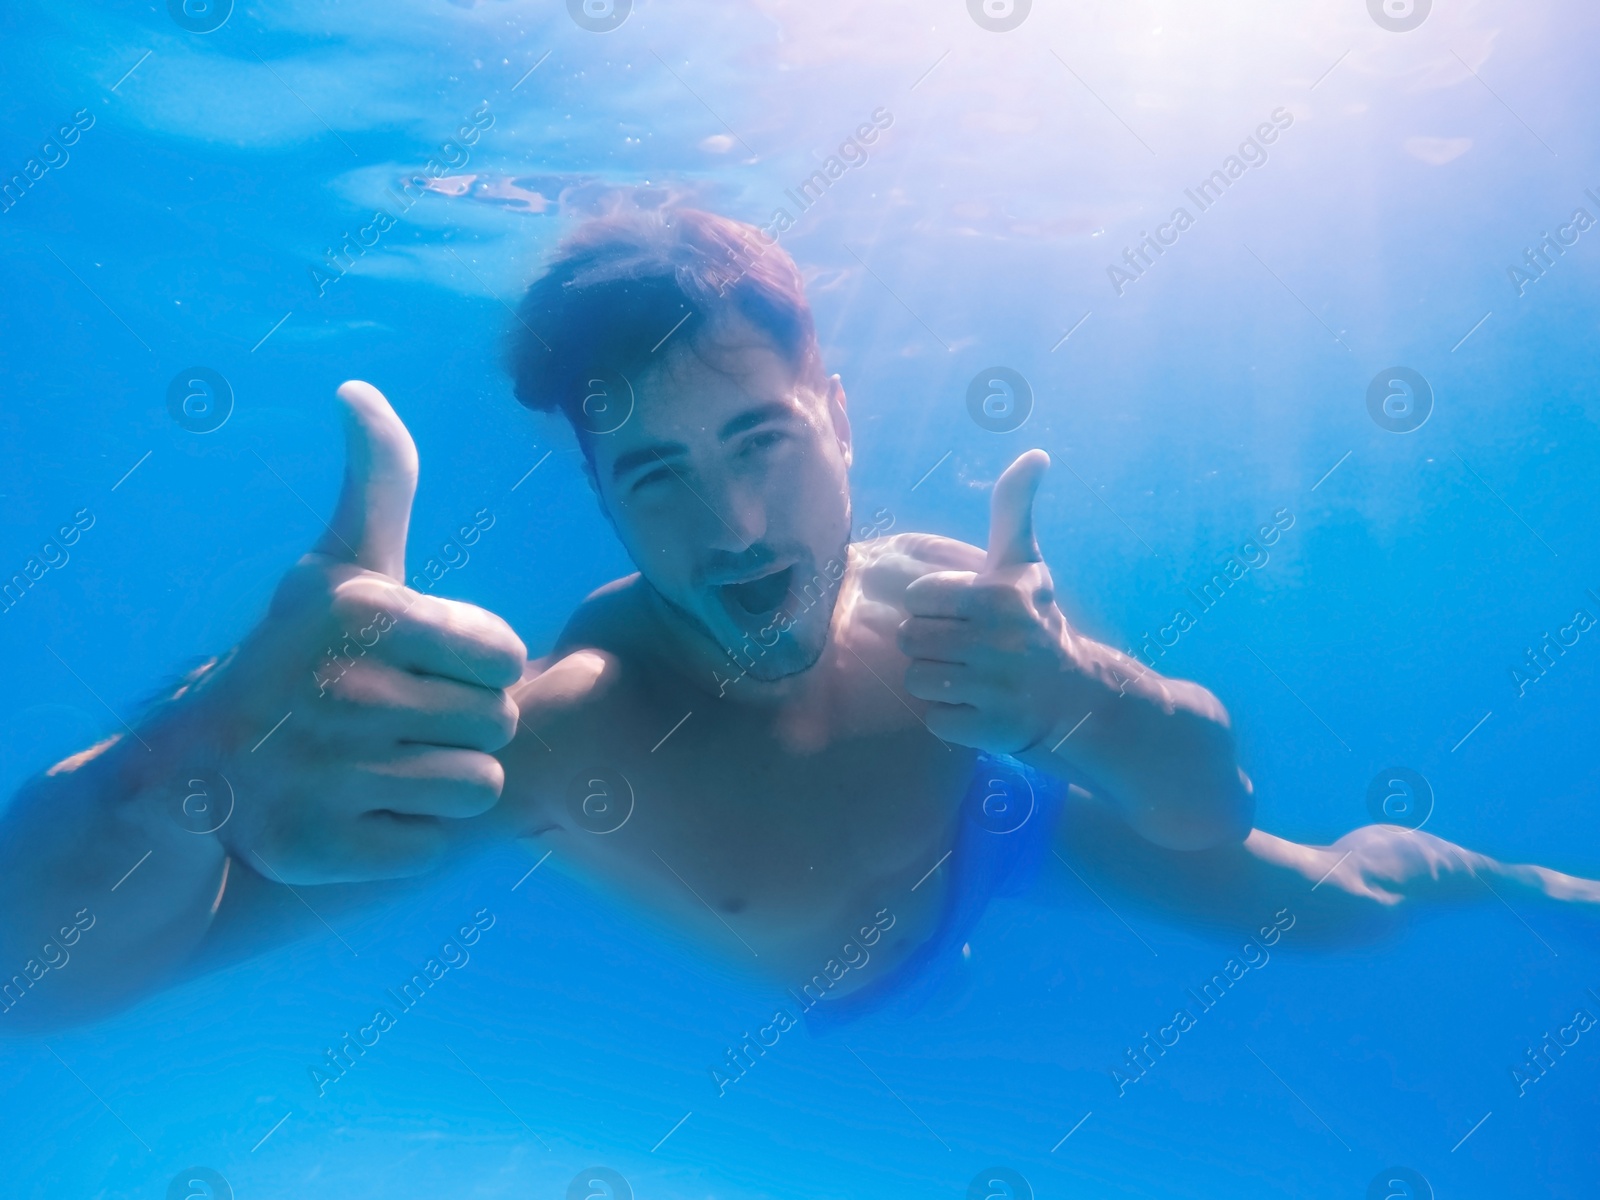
[620,284]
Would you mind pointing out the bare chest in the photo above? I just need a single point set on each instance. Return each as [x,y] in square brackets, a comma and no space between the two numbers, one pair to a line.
[770,853]
[777,830]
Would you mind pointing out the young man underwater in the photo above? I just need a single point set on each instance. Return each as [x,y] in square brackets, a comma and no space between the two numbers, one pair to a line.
[773,736]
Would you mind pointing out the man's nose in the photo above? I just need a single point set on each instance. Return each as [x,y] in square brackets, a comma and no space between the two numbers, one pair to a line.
[739,512]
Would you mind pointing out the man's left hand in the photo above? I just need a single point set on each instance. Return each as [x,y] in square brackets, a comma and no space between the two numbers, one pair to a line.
[990,650]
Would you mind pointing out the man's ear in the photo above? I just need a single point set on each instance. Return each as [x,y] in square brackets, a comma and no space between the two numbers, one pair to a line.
[838,413]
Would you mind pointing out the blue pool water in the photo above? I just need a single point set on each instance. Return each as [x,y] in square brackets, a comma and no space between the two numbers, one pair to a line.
[185,219]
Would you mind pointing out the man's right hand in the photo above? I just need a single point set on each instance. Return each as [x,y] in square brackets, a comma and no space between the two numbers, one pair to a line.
[357,724]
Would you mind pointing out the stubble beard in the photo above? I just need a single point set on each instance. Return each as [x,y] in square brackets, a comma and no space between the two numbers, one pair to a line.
[789,655]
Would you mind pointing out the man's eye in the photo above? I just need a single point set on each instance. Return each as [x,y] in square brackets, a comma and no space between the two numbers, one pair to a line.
[767,437]
[659,475]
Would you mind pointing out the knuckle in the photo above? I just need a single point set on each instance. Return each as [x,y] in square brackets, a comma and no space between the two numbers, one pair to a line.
[498,653]
[507,716]
[482,777]
[507,666]
[505,657]
[361,595]
[482,723]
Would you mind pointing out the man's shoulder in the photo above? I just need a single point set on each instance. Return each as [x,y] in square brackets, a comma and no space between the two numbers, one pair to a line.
[608,619]
[585,665]
[887,565]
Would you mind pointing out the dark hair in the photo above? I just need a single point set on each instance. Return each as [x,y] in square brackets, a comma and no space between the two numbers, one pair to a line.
[620,284]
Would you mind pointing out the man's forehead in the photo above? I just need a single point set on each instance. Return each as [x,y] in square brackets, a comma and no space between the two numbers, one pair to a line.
[669,422]
[706,384]
[670,427]
[731,360]
[693,397]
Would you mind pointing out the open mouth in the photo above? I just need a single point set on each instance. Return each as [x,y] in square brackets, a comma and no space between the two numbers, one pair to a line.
[760,596]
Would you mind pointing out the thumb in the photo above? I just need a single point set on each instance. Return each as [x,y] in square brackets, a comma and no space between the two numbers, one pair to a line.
[1011,540]
[380,477]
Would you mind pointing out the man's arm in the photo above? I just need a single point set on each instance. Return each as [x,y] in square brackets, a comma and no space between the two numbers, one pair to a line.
[345,742]
[1161,750]
[1004,671]
[1354,891]
[101,892]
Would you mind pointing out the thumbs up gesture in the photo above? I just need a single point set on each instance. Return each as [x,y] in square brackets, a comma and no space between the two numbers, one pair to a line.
[358,722]
[990,650]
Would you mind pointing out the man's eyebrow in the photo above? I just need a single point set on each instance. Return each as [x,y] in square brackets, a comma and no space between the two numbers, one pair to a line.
[753,417]
[645,456]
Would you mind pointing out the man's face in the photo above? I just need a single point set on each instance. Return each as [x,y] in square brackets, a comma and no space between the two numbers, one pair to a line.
[728,486]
